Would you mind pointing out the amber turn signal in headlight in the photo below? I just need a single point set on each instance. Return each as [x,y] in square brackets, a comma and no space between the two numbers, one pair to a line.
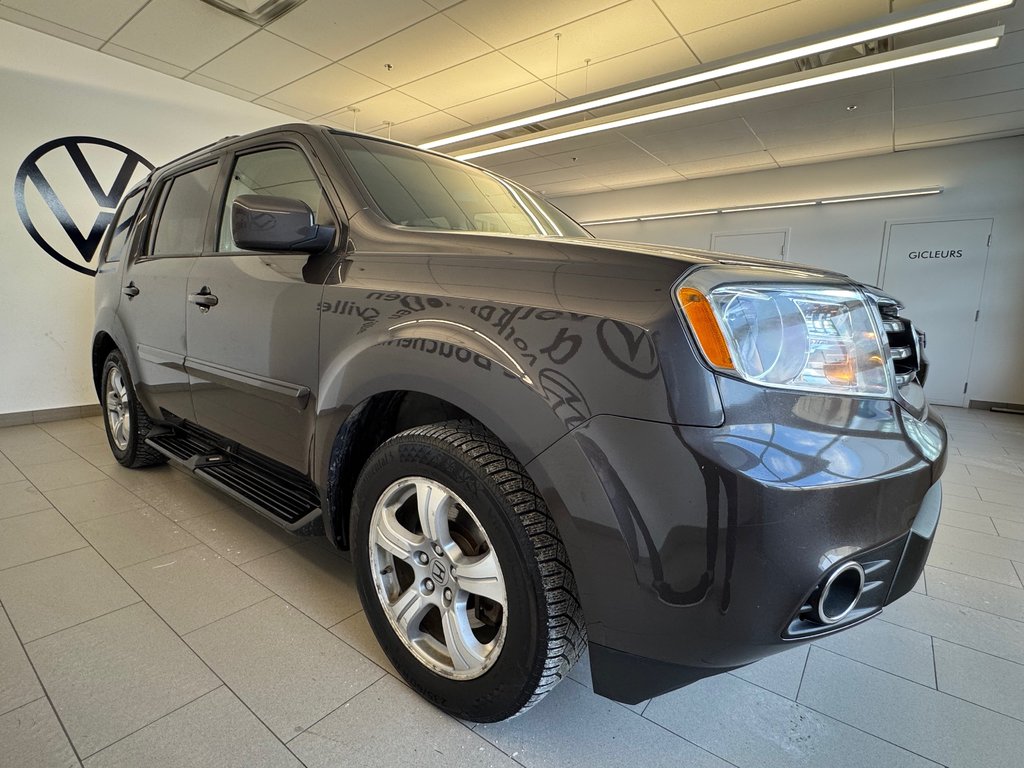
[705,327]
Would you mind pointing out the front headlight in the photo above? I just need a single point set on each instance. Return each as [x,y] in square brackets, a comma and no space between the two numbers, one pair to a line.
[817,338]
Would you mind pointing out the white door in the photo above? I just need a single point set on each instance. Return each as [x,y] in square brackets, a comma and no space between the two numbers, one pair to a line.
[770,244]
[936,269]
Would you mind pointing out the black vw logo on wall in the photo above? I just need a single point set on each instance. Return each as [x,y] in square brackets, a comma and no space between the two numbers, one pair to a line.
[58,185]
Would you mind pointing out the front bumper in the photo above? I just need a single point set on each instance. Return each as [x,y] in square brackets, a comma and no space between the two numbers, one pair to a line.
[695,548]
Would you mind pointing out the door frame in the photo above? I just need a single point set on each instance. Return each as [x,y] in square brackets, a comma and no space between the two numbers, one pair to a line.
[884,258]
[785,231]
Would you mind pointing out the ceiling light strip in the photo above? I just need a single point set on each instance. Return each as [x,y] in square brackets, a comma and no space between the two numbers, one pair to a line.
[854,38]
[906,59]
[769,206]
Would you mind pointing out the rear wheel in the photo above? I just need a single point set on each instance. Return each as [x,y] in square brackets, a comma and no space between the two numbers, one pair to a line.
[462,573]
[126,422]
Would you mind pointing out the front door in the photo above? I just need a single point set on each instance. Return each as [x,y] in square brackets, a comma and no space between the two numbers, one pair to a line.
[252,355]
[936,268]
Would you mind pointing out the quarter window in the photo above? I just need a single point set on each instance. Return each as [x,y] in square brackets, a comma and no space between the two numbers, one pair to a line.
[279,172]
[182,226]
[121,227]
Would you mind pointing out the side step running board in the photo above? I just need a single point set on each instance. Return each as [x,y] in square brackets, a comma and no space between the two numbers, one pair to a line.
[286,498]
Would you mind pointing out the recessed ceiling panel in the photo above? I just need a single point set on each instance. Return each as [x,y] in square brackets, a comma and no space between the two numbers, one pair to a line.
[504,23]
[263,63]
[488,75]
[392,106]
[187,33]
[423,49]
[327,90]
[530,97]
[96,19]
[628,27]
[335,29]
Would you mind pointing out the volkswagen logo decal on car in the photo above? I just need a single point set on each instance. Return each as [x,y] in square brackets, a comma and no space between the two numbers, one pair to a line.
[61,192]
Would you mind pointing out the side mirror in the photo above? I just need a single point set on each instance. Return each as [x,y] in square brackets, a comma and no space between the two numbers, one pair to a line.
[267,223]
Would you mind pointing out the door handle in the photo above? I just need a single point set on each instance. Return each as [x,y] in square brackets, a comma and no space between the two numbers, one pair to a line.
[131,291]
[204,299]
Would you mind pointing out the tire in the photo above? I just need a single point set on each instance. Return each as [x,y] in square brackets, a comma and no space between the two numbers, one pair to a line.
[117,395]
[501,542]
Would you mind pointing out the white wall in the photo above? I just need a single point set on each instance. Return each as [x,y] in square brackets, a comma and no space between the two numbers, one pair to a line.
[50,89]
[981,180]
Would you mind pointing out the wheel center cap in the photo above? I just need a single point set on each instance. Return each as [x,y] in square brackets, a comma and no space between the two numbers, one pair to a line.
[439,572]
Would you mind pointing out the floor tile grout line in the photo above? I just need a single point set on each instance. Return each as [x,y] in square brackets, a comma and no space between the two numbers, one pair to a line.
[973,576]
[262,600]
[935,664]
[153,722]
[934,690]
[84,621]
[87,545]
[946,640]
[5,713]
[309,728]
[42,685]
[973,607]
[199,658]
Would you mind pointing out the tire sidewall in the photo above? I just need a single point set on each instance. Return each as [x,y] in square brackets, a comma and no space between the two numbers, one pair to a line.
[505,688]
[127,456]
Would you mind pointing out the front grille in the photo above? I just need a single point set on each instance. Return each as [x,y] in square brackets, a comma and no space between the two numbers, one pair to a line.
[906,344]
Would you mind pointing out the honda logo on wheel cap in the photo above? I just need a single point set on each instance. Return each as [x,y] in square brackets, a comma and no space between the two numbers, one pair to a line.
[61,187]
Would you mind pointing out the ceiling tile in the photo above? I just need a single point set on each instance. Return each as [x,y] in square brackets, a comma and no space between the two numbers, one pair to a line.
[143,60]
[336,29]
[973,128]
[217,85]
[689,17]
[960,109]
[667,56]
[420,50]
[720,166]
[857,130]
[519,168]
[489,74]
[502,24]
[626,179]
[393,106]
[430,126]
[962,86]
[835,144]
[327,90]
[831,110]
[526,98]
[779,25]
[187,33]
[628,27]
[94,19]
[794,156]
[576,187]
[301,114]
[263,63]
[49,27]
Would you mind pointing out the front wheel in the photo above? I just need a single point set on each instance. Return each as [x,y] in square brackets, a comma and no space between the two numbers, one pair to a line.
[462,574]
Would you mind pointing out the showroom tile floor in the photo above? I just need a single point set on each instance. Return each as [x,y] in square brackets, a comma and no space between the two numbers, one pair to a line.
[149,621]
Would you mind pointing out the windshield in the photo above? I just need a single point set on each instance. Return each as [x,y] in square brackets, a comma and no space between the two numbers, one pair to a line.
[426,191]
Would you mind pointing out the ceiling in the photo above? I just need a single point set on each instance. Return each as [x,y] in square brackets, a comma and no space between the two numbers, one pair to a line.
[416,69]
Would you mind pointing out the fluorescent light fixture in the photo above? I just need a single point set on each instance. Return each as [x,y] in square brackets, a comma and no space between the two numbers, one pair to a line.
[854,38]
[957,46]
[769,206]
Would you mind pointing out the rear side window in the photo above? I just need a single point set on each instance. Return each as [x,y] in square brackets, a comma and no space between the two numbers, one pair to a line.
[122,226]
[182,225]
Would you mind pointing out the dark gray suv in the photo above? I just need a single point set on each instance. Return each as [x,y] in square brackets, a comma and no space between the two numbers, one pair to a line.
[531,441]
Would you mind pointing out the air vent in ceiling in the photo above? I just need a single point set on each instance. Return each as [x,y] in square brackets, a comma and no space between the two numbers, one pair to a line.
[521,130]
[257,11]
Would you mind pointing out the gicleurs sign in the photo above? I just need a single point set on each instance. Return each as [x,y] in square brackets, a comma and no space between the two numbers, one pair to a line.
[957,253]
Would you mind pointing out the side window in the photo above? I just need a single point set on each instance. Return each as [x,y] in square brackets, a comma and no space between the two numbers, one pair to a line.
[186,205]
[121,226]
[281,172]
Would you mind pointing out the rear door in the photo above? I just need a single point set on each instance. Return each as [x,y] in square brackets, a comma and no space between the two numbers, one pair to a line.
[252,356]
[152,309]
